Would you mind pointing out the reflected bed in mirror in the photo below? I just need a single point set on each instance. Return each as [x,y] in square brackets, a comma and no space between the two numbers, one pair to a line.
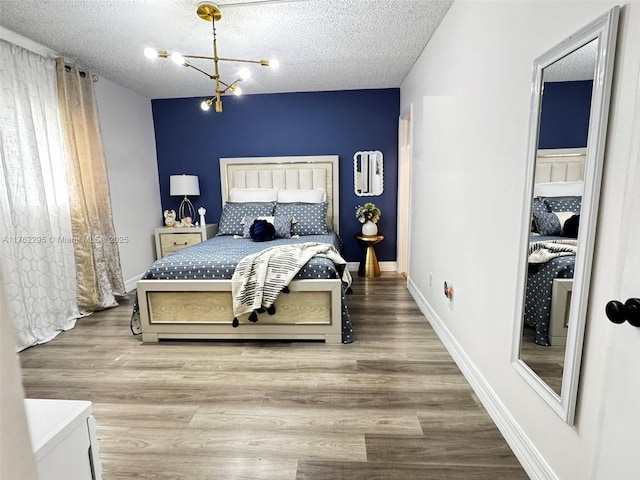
[568,122]
[368,169]
[557,197]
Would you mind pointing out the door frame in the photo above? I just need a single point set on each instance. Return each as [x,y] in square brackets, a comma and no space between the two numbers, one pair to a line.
[405,149]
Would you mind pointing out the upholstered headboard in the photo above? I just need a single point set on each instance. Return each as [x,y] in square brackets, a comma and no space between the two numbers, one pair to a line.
[319,171]
[561,165]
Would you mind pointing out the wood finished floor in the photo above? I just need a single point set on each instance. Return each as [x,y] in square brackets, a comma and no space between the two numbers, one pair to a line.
[392,405]
[546,362]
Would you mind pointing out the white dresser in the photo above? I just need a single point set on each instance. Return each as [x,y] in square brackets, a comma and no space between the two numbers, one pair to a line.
[63,436]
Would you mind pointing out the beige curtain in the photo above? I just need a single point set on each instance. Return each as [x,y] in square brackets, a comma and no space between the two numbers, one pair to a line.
[98,269]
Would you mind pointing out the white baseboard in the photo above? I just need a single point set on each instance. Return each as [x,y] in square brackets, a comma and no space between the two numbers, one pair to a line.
[526,452]
[384,266]
[130,284]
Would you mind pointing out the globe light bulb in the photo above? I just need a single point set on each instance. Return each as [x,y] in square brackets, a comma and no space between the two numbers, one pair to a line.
[244,73]
[177,58]
[150,53]
[205,105]
[274,63]
[236,90]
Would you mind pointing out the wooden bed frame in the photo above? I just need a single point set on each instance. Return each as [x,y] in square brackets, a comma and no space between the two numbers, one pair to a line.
[202,309]
[561,165]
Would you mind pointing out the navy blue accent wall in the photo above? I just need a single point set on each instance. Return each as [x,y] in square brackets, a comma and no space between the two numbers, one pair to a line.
[341,123]
[564,122]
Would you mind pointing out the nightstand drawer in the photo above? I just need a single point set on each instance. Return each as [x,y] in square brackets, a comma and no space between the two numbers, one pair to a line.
[173,239]
[173,242]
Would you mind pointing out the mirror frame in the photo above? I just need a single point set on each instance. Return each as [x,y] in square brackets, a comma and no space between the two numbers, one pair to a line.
[604,29]
[377,156]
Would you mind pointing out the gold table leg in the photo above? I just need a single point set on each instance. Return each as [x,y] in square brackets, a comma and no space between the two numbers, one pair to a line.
[369,267]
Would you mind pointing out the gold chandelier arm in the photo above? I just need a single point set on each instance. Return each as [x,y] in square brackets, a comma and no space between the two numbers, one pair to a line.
[229,86]
[187,64]
[264,63]
[201,57]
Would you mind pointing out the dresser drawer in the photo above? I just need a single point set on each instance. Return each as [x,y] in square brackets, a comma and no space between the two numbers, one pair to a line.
[172,242]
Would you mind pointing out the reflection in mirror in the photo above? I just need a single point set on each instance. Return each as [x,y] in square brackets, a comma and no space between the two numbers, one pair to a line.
[558,188]
[566,147]
[557,197]
[368,173]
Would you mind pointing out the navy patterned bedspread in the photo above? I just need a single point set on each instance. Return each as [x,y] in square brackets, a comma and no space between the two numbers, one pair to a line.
[216,259]
[537,308]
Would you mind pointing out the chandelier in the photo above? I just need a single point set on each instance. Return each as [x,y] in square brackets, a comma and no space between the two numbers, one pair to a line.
[211,13]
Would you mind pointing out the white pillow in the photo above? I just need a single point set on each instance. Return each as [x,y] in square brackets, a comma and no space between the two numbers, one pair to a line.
[304,195]
[244,195]
[559,189]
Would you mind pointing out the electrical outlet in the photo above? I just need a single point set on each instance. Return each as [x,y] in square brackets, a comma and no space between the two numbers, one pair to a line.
[431,279]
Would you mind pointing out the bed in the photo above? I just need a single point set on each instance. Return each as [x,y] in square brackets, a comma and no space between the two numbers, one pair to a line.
[188,295]
[552,248]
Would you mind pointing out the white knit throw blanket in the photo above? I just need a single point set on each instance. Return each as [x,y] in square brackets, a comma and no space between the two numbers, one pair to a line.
[542,252]
[260,277]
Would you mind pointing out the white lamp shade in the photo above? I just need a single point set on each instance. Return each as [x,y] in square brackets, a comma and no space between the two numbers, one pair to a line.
[184,185]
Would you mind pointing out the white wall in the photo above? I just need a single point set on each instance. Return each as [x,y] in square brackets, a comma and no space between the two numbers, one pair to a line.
[127,132]
[470,90]
[16,453]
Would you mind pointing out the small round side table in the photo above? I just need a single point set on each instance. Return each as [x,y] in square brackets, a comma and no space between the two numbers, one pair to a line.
[369,267]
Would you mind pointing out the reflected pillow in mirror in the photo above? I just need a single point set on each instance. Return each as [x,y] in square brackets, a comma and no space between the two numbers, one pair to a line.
[570,227]
[558,189]
[547,224]
[563,204]
[537,208]
[563,217]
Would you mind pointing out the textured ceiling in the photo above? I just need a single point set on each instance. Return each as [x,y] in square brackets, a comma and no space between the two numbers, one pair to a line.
[321,45]
[578,65]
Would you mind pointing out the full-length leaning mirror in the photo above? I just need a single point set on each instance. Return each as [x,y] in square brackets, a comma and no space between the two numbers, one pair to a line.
[568,123]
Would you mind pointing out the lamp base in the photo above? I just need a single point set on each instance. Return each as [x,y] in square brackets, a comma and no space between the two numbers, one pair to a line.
[186,209]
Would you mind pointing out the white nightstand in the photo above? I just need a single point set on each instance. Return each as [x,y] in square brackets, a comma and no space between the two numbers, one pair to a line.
[63,436]
[172,239]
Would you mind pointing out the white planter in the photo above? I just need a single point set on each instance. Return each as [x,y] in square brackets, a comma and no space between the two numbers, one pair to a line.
[369,228]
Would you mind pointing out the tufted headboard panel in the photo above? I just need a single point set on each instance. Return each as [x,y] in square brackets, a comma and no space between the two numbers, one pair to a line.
[320,171]
[566,165]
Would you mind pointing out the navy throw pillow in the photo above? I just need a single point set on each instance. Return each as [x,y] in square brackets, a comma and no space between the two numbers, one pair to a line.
[262,231]
[570,227]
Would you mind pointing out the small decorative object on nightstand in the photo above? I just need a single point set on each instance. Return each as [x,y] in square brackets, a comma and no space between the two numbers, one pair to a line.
[369,267]
[169,218]
[368,215]
[173,239]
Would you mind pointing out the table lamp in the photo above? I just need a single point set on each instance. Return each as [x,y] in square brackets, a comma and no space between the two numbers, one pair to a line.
[184,185]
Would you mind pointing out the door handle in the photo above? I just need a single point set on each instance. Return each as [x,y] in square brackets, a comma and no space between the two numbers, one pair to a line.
[618,312]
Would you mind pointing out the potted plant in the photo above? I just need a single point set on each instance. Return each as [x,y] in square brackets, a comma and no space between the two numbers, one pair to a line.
[368,214]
